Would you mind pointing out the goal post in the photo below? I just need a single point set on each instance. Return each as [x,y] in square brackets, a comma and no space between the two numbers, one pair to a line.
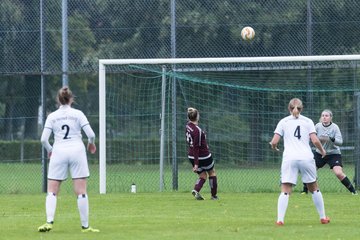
[222,73]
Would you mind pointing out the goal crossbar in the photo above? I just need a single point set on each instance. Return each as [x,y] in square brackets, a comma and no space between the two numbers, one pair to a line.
[229,60]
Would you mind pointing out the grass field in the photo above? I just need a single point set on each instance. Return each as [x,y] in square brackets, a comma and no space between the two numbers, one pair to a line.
[17,178]
[176,215]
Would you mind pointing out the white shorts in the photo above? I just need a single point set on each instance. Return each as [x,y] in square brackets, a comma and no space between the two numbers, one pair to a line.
[290,170]
[66,158]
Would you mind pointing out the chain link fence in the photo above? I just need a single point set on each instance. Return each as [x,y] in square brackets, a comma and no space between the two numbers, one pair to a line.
[31,63]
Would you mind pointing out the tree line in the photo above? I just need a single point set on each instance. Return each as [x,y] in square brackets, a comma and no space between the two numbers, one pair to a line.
[150,29]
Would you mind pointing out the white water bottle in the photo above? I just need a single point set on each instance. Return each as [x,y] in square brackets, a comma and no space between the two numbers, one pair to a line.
[133,188]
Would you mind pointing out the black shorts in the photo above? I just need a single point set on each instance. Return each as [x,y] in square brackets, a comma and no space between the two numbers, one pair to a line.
[204,164]
[332,159]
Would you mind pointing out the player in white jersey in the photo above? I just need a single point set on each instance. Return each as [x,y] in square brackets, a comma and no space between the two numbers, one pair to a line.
[67,154]
[330,136]
[297,131]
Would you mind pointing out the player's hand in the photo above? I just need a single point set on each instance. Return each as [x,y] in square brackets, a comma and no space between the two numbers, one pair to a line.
[323,139]
[323,153]
[195,168]
[91,148]
[49,154]
[274,146]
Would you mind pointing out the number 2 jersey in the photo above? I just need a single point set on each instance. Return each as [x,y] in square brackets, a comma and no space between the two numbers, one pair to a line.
[66,123]
[196,139]
[296,134]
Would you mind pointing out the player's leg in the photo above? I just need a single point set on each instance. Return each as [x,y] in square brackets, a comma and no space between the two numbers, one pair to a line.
[205,165]
[82,200]
[50,205]
[79,170]
[318,201]
[283,202]
[308,173]
[198,185]
[83,204]
[335,163]
[56,174]
[51,199]
[289,174]
[213,184]
[320,162]
[344,179]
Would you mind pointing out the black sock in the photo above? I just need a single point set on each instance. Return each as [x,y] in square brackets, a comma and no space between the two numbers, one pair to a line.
[346,182]
[305,189]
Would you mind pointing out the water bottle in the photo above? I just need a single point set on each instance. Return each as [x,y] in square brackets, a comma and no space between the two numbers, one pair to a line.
[133,188]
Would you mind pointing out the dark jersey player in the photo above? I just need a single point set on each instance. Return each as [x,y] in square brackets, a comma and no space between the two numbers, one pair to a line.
[200,155]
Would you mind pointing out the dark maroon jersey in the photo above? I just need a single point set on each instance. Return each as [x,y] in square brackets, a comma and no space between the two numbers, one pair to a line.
[196,139]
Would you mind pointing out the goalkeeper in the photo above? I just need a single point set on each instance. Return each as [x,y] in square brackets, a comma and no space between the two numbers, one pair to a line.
[331,138]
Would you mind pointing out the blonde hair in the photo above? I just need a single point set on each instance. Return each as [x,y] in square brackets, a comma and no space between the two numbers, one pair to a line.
[295,107]
[192,114]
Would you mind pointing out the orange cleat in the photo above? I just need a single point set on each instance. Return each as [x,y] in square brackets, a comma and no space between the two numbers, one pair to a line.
[279,223]
[325,220]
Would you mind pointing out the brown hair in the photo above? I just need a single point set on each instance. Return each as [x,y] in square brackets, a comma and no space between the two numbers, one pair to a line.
[65,96]
[192,114]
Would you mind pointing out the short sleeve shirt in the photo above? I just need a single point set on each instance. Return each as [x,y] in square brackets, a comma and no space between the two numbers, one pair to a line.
[296,134]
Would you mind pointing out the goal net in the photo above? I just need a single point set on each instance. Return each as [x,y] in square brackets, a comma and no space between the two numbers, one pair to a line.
[143,105]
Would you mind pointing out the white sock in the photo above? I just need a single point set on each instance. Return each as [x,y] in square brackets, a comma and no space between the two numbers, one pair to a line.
[319,203]
[50,206]
[283,202]
[83,206]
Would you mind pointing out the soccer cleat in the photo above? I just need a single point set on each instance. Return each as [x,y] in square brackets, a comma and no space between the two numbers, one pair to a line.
[325,220]
[45,227]
[354,193]
[197,195]
[214,198]
[305,189]
[89,229]
[279,223]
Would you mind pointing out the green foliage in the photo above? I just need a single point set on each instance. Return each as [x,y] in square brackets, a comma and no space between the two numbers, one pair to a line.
[11,151]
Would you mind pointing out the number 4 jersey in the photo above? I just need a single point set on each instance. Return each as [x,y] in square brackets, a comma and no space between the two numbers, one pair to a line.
[296,134]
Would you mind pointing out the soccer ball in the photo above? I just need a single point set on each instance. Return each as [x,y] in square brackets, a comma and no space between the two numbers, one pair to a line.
[247,33]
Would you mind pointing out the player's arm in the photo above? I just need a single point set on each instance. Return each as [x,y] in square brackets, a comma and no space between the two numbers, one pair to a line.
[315,140]
[91,138]
[84,123]
[337,139]
[45,140]
[196,149]
[274,141]
[196,159]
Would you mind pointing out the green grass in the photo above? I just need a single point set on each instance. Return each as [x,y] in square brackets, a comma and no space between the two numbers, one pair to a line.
[175,215]
[246,210]
[17,178]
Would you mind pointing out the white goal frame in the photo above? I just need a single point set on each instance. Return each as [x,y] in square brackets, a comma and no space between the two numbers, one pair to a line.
[102,89]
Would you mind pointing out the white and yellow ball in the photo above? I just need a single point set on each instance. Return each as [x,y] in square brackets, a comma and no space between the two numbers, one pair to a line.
[247,33]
